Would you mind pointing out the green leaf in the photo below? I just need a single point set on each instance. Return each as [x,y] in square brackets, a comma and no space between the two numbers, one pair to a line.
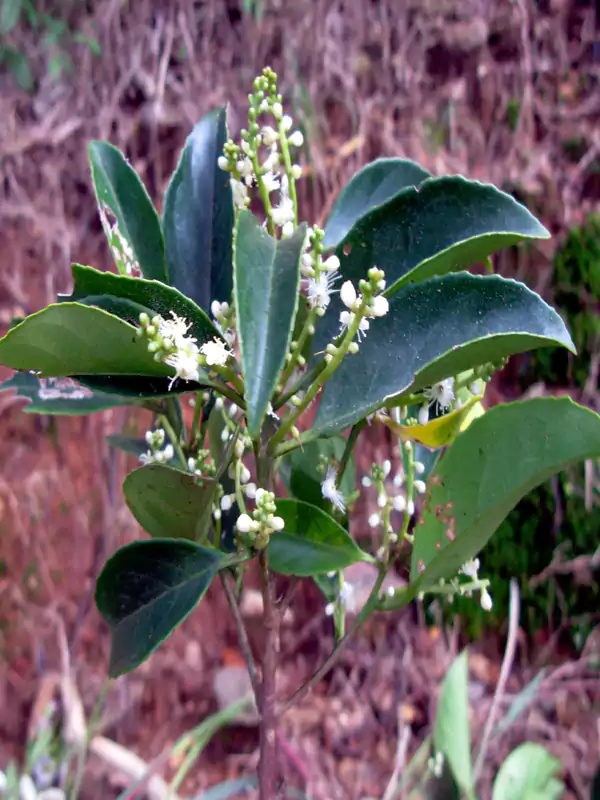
[267,282]
[142,387]
[169,503]
[528,773]
[198,216]
[151,296]
[369,188]
[70,339]
[442,226]
[146,590]
[434,330]
[59,396]
[501,457]
[305,477]
[128,444]
[451,735]
[18,64]
[9,15]
[119,189]
[311,542]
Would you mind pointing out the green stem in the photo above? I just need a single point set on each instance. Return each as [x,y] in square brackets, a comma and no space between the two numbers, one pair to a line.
[292,444]
[287,372]
[368,608]
[173,437]
[239,495]
[197,412]
[305,380]
[350,444]
[330,368]
[287,160]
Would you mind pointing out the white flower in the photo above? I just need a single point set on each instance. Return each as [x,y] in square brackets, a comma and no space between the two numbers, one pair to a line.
[286,122]
[174,331]
[27,790]
[271,181]
[185,363]
[296,139]
[226,502]
[471,568]
[330,609]
[410,508]
[420,487]
[366,481]
[240,193]
[330,490]
[215,352]
[399,502]
[386,466]
[244,474]
[245,524]
[347,318]
[284,212]
[332,264]
[424,414]
[382,499]
[223,163]
[486,600]
[441,393]
[320,289]
[379,306]
[419,467]
[287,229]
[277,110]
[398,480]
[269,136]
[296,172]
[348,596]
[374,520]
[246,170]
[348,294]
[276,523]
[250,490]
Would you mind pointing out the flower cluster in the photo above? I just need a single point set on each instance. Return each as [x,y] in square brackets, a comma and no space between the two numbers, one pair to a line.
[471,569]
[441,395]
[257,528]
[224,317]
[169,342]
[158,452]
[202,465]
[360,308]
[263,151]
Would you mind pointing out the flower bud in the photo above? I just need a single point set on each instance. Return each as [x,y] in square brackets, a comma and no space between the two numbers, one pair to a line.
[348,294]
[379,306]
[223,163]
[296,139]
[245,524]
[277,523]
[296,172]
[486,600]
[286,122]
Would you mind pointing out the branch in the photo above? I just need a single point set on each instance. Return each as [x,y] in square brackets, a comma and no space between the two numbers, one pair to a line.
[226,580]
[509,655]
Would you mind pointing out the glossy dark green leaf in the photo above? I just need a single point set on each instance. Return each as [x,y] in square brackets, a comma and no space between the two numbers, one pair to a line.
[501,456]
[530,772]
[91,286]
[433,330]
[119,188]
[169,503]
[442,226]
[59,396]
[267,282]
[131,445]
[305,476]
[198,216]
[70,339]
[146,590]
[142,387]
[451,735]
[311,542]
[370,187]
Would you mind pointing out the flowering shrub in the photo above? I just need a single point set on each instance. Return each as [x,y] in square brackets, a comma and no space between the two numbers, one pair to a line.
[254,316]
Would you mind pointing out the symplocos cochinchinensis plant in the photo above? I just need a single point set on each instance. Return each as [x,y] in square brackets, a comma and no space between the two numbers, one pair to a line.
[288,341]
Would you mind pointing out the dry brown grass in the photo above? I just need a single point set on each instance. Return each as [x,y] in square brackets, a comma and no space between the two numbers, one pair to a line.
[429,80]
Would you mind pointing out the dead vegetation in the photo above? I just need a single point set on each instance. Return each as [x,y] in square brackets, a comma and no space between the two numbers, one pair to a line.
[505,92]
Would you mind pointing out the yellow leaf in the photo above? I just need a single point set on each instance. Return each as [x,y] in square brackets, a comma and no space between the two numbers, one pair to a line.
[441,431]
